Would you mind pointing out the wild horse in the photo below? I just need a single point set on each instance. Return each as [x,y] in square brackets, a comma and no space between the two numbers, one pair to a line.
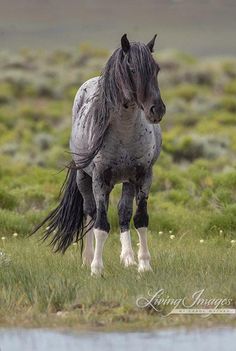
[116,138]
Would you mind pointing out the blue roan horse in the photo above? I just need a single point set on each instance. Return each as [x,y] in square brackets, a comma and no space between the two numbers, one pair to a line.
[116,138]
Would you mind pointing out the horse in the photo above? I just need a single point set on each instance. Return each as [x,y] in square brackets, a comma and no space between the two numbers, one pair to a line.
[115,138]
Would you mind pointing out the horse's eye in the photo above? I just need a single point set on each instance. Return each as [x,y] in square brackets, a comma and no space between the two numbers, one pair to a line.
[132,70]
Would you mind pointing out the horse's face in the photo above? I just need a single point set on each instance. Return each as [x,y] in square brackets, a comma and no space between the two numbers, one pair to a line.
[150,99]
[143,72]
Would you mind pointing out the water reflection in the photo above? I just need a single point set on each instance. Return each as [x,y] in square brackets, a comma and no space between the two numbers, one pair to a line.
[45,340]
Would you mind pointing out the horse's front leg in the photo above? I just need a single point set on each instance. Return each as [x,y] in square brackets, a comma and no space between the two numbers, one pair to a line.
[101,190]
[141,220]
[125,209]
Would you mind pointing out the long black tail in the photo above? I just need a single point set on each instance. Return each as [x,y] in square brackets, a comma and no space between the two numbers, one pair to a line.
[65,222]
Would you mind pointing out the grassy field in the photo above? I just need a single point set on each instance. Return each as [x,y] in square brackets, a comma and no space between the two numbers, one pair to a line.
[193,195]
[44,290]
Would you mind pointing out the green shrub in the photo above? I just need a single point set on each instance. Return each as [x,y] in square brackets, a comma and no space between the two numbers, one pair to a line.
[87,50]
[31,198]
[224,219]
[7,201]
[226,180]
[179,196]
[167,179]
[11,222]
[229,67]
[228,103]
[6,92]
[200,174]
[185,91]
[230,88]
[225,196]
[225,118]
[163,220]
[43,141]
[59,57]
[191,147]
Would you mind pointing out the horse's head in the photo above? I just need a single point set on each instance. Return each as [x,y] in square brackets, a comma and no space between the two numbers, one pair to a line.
[130,76]
[138,78]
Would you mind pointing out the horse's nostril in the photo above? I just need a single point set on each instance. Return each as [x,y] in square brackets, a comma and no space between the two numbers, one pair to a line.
[153,109]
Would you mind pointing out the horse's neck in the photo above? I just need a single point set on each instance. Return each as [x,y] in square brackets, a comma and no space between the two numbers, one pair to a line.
[125,123]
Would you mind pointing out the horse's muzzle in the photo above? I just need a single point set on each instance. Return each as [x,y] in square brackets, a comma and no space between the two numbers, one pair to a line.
[157,112]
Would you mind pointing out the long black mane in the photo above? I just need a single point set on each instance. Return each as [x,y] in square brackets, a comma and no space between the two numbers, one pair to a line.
[116,88]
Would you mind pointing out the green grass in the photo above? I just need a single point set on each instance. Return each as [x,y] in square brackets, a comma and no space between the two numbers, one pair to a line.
[43,289]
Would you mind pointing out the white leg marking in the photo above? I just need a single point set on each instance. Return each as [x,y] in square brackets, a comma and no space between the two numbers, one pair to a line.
[88,252]
[143,252]
[127,254]
[97,263]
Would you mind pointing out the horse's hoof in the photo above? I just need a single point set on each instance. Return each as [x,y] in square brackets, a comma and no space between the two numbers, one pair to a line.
[144,266]
[128,259]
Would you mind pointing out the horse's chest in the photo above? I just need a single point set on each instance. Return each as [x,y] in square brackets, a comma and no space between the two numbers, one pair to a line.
[126,161]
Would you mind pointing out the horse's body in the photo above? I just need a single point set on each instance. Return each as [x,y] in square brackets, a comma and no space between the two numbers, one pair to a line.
[115,138]
[130,146]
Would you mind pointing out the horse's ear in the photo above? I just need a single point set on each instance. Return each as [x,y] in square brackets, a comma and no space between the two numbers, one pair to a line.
[151,43]
[125,43]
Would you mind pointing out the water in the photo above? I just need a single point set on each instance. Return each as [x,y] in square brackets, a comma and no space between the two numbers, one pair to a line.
[43,340]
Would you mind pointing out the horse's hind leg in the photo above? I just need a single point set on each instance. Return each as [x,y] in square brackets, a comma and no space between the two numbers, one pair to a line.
[125,209]
[84,183]
[88,252]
